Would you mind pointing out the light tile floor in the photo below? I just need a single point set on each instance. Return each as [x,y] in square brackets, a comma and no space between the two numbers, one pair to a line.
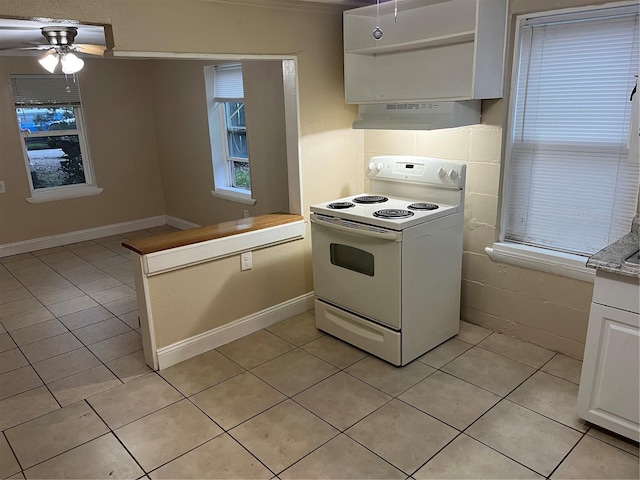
[77,401]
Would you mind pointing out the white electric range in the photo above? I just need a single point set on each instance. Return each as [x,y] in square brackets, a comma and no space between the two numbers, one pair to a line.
[387,264]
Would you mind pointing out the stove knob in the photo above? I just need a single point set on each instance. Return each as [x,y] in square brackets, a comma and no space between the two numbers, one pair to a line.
[441,172]
[453,174]
[371,166]
[380,166]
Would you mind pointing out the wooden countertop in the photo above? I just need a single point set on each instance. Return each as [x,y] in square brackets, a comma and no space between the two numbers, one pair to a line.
[166,241]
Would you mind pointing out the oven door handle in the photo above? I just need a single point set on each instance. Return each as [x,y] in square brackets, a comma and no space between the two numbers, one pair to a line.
[393,236]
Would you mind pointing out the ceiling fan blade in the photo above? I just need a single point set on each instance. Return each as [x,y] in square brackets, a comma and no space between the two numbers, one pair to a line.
[90,49]
[38,47]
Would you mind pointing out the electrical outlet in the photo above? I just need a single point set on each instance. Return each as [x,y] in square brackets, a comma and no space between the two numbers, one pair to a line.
[3,189]
[246,213]
[246,261]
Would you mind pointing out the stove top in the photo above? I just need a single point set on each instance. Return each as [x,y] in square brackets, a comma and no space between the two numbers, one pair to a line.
[394,213]
[404,191]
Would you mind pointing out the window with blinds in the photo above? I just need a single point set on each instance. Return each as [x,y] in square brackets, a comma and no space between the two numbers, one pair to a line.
[232,169]
[49,115]
[571,185]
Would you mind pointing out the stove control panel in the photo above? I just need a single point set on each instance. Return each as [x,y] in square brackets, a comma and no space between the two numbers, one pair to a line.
[417,169]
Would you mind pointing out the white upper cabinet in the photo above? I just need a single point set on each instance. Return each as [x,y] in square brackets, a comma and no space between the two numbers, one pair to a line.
[436,50]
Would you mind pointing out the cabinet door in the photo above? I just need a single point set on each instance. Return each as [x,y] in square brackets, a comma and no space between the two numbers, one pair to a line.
[609,393]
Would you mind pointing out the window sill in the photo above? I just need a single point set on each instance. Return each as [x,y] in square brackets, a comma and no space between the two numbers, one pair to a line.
[64,194]
[234,195]
[557,263]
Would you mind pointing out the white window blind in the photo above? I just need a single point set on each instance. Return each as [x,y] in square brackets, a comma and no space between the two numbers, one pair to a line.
[570,186]
[228,83]
[44,90]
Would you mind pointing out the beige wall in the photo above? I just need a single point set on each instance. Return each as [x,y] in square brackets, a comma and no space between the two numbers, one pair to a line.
[184,149]
[120,132]
[329,149]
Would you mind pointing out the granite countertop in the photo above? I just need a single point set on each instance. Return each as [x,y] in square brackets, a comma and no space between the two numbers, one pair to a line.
[612,258]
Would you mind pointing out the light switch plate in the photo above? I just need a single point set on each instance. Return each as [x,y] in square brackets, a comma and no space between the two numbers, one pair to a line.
[3,189]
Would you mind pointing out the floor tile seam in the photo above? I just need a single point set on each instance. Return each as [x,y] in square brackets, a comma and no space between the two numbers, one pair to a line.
[611,445]
[254,366]
[413,472]
[227,430]
[282,338]
[329,423]
[42,384]
[199,391]
[304,456]
[126,297]
[553,374]
[93,325]
[465,431]
[504,454]
[495,393]
[566,455]
[546,416]
[514,360]
[119,427]
[22,287]
[13,452]
[327,361]
[66,451]
[15,255]
[447,363]
[111,338]
[458,429]
[224,432]
[89,293]
[46,338]
[26,311]
[471,383]
[373,386]
[37,416]
[67,376]
[458,434]
[297,393]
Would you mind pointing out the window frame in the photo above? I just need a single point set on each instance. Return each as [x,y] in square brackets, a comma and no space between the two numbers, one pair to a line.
[229,159]
[62,192]
[504,251]
[221,160]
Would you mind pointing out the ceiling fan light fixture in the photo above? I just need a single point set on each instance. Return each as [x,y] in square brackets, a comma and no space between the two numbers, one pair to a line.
[71,63]
[49,61]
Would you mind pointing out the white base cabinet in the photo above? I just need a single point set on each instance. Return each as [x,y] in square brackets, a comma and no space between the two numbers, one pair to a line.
[609,394]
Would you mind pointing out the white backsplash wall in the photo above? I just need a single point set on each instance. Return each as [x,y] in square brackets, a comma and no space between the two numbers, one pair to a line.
[545,309]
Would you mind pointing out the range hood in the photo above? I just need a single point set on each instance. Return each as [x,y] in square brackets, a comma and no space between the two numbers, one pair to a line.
[417,116]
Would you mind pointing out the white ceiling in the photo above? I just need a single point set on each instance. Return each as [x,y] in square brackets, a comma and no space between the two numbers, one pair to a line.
[23,37]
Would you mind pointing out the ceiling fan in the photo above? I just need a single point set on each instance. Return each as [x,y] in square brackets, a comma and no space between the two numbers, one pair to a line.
[61,49]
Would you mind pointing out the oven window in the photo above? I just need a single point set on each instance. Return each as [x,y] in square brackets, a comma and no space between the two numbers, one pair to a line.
[352,258]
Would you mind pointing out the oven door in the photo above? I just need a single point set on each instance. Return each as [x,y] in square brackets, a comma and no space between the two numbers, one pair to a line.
[357,267]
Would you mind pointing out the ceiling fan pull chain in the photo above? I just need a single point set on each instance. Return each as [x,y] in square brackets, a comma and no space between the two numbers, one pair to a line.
[377,31]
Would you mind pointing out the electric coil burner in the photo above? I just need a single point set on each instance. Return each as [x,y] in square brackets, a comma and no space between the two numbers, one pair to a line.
[422,206]
[392,213]
[371,199]
[340,205]
[387,263]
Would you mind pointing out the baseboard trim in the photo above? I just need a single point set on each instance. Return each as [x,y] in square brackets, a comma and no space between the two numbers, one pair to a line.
[91,234]
[179,223]
[190,347]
